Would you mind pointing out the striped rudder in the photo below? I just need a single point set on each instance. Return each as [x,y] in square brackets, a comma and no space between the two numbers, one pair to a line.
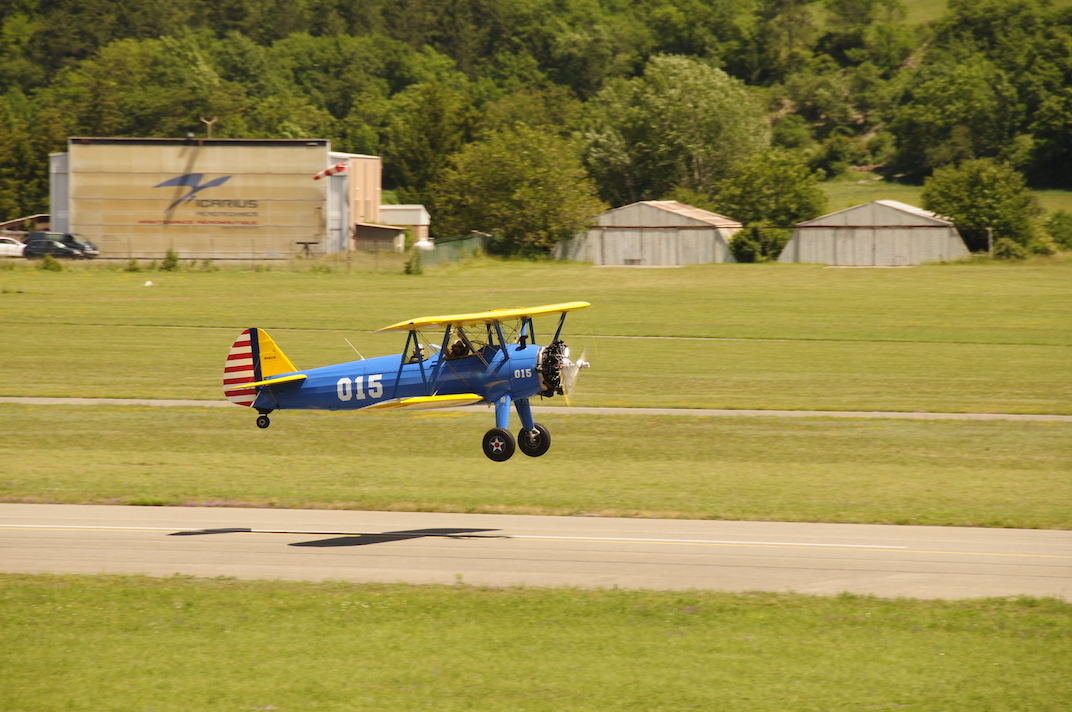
[242,367]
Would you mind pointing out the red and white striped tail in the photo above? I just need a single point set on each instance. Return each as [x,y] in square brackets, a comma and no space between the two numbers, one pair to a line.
[238,370]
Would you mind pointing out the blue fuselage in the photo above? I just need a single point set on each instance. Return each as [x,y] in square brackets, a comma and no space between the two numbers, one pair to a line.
[491,373]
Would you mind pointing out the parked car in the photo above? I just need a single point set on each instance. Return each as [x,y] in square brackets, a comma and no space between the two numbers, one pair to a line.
[41,246]
[10,247]
[36,245]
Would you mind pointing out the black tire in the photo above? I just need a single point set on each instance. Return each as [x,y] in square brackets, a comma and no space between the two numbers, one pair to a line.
[263,421]
[499,444]
[534,443]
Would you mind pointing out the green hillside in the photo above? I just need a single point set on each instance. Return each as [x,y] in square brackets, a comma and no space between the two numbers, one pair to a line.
[442,89]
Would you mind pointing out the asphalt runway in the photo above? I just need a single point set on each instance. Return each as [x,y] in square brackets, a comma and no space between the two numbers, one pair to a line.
[502,550]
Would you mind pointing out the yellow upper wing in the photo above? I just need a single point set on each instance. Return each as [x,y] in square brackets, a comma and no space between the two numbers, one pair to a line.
[430,322]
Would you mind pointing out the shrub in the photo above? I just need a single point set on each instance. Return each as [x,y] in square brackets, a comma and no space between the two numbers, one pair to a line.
[171,261]
[50,264]
[132,266]
[1006,249]
[1059,227]
[413,264]
[757,245]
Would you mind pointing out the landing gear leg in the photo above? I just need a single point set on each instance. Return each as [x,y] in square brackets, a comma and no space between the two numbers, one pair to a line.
[533,438]
[498,443]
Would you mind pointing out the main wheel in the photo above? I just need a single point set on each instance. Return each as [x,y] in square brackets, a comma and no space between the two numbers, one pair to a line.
[263,422]
[534,442]
[499,444]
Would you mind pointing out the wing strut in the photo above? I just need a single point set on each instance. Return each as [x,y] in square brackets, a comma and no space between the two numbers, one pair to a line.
[561,322]
[411,336]
[502,342]
[442,357]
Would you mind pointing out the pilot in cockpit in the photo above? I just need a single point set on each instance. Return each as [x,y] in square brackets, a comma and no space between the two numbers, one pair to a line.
[418,354]
[458,349]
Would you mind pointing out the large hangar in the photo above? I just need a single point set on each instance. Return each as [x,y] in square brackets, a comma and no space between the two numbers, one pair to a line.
[882,233]
[654,233]
[212,198]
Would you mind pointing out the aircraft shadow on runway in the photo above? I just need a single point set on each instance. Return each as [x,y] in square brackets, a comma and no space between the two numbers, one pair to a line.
[359,539]
[366,539]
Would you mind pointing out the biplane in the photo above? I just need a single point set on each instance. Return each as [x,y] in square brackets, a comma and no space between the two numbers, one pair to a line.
[490,358]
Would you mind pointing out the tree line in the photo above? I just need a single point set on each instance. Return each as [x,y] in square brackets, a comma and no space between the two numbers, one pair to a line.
[523,118]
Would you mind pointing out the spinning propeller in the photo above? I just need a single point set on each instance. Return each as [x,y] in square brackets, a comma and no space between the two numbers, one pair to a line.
[570,370]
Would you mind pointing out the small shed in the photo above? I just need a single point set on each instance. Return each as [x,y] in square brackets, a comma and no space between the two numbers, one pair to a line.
[654,233]
[413,216]
[882,233]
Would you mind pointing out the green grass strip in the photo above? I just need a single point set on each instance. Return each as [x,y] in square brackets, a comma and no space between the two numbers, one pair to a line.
[177,644]
[966,473]
[961,338]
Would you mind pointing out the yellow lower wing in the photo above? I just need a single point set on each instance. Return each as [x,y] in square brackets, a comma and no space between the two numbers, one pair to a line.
[427,402]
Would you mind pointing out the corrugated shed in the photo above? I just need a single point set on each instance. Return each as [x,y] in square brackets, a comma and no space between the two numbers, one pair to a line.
[654,233]
[879,233]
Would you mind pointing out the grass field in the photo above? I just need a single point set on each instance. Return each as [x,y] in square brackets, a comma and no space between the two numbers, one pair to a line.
[985,337]
[976,337]
[96,643]
[997,474]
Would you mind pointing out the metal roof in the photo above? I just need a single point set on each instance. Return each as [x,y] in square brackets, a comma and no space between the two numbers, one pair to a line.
[705,217]
[892,204]
[119,140]
[688,211]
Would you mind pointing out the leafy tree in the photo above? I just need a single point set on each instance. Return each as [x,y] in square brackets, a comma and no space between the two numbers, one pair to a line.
[791,131]
[1052,131]
[550,107]
[863,30]
[821,98]
[836,155]
[681,125]
[782,39]
[27,136]
[17,66]
[524,186]
[430,123]
[955,112]
[772,188]
[333,72]
[587,45]
[147,88]
[983,193]
[994,68]
[1027,40]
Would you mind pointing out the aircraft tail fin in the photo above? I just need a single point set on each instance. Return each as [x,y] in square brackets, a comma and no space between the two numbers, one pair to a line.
[253,357]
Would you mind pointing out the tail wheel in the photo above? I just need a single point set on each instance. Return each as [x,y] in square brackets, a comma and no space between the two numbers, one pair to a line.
[534,442]
[499,444]
[263,421]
